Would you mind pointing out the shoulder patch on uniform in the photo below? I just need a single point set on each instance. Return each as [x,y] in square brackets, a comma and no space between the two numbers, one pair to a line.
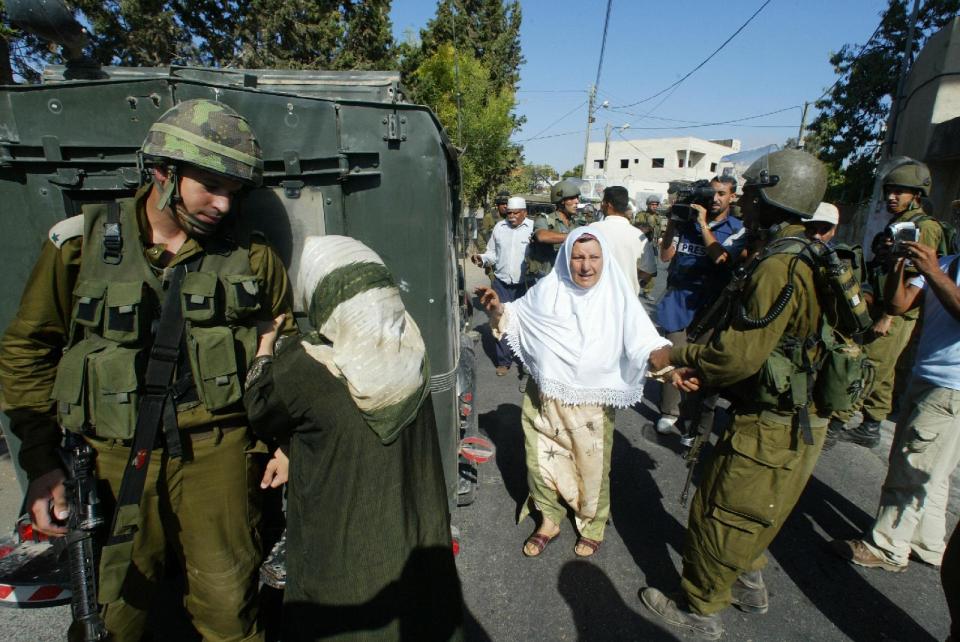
[65,230]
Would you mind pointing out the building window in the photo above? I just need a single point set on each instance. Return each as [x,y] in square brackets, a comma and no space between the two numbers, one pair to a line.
[713,167]
[624,163]
[657,162]
[680,162]
[598,164]
[636,160]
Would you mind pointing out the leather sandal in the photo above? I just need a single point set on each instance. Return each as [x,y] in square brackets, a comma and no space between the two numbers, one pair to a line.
[539,541]
[591,544]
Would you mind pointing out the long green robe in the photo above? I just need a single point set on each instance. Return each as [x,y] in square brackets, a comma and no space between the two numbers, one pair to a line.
[368,532]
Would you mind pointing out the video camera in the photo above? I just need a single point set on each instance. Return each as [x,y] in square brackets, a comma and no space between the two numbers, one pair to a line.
[900,232]
[687,195]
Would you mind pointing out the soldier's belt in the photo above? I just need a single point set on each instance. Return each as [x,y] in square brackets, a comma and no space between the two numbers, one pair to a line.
[787,419]
[194,434]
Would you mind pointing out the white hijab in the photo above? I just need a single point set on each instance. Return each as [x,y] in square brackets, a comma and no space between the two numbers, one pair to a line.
[583,346]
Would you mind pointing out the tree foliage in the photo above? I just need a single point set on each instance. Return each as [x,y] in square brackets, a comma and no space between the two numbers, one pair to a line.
[480,126]
[290,34]
[575,172]
[849,130]
[531,179]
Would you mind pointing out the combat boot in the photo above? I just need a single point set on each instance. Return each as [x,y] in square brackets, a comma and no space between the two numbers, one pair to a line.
[867,434]
[834,433]
[707,626]
[750,593]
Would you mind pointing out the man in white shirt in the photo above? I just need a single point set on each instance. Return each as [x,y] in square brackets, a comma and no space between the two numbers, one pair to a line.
[507,253]
[631,249]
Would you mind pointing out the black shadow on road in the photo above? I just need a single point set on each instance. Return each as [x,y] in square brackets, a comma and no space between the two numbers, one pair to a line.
[835,587]
[503,428]
[599,613]
[647,530]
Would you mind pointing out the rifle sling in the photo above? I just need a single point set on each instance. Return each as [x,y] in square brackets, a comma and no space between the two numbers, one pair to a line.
[156,404]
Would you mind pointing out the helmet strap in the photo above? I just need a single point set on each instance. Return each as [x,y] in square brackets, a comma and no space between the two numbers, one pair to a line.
[170,193]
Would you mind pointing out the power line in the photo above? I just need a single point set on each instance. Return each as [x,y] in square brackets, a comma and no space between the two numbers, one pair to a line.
[697,124]
[537,135]
[705,61]
[551,91]
[603,44]
[862,51]
[570,133]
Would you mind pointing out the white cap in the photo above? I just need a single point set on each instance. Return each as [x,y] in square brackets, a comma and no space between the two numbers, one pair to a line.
[826,213]
[516,203]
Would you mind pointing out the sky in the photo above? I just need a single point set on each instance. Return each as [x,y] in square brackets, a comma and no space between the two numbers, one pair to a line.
[778,62]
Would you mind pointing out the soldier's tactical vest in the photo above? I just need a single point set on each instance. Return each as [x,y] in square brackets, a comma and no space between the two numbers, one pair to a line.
[542,256]
[827,367]
[116,306]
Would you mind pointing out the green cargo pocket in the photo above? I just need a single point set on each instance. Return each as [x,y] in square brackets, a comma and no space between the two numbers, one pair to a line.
[70,386]
[88,305]
[123,315]
[113,391]
[199,296]
[214,358]
[243,296]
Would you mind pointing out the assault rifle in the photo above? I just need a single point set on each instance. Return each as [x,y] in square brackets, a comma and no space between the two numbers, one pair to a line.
[85,518]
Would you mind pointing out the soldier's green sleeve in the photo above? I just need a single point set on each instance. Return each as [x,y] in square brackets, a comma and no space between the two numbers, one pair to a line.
[267,265]
[540,223]
[739,352]
[30,351]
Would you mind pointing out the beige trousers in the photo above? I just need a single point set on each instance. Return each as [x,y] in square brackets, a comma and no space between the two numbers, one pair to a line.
[913,501]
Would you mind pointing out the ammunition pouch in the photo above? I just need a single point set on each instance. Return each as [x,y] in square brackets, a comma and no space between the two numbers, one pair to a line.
[846,375]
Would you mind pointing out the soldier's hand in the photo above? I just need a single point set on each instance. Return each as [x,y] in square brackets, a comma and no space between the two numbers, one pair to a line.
[47,503]
[882,326]
[477,260]
[489,299]
[924,258]
[685,379]
[277,471]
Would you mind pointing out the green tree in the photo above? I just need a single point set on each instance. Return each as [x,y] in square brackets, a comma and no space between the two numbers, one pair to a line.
[850,127]
[575,172]
[529,178]
[480,125]
[291,34]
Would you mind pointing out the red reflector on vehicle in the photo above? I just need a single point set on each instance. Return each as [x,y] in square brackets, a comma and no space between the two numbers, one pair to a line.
[5,591]
[467,396]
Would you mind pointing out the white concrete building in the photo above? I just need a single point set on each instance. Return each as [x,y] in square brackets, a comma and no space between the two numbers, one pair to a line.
[658,160]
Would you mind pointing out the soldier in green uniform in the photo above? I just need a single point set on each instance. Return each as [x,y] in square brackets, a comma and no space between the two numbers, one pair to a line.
[550,230]
[651,217]
[763,461]
[74,357]
[903,187]
[490,219]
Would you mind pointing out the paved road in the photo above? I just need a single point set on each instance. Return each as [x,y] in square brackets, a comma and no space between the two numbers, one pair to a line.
[814,596]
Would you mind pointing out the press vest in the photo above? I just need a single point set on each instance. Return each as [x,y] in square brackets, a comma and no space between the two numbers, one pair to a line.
[116,306]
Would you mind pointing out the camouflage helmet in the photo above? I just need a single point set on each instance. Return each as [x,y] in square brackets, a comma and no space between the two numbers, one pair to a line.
[653,198]
[912,174]
[564,189]
[790,179]
[208,135]
[502,197]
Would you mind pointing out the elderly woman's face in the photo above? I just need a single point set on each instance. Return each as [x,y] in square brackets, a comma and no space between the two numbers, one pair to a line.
[586,263]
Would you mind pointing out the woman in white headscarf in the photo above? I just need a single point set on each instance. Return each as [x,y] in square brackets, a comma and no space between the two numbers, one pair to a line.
[585,339]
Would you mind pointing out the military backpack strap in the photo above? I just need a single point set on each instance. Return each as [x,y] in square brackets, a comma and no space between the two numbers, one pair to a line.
[154,408]
[112,236]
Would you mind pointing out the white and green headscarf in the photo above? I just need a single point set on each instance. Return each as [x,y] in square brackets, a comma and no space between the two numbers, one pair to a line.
[363,334]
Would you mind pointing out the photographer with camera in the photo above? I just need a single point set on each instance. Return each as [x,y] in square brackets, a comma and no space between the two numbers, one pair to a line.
[903,187]
[702,243]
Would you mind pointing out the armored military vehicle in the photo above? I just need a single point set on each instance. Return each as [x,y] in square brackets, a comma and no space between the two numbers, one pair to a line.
[344,153]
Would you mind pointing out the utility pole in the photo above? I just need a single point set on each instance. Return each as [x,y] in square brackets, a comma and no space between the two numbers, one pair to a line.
[803,125]
[586,142]
[606,147]
[896,102]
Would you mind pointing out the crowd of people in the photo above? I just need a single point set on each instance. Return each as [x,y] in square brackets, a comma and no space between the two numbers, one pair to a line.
[166,284]
[745,313]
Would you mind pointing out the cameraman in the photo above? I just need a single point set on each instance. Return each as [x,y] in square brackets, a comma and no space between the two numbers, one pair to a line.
[701,247]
